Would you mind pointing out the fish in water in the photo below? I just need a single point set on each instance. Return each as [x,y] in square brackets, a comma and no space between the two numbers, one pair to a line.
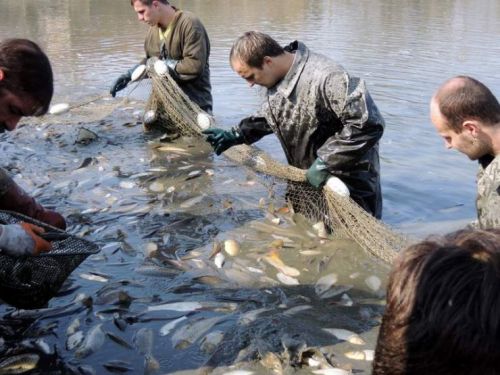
[331,371]
[361,355]
[143,341]
[287,280]
[93,277]
[59,108]
[274,260]
[19,364]
[117,366]
[167,328]
[92,343]
[74,340]
[325,283]
[232,247]
[346,335]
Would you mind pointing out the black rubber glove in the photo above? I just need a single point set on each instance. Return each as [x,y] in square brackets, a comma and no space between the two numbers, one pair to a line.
[317,174]
[122,81]
[221,139]
[171,64]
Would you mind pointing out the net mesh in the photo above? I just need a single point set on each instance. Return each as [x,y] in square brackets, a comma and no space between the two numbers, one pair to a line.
[338,213]
[91,109]
[175,113]
[29,282]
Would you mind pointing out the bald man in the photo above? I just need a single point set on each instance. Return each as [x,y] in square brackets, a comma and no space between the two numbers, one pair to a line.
[467,115]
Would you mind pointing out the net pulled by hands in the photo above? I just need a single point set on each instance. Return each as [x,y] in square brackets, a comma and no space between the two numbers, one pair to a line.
[337,212]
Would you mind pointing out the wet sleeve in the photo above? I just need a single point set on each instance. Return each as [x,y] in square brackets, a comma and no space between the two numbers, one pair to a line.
[254,128]
[195,51]
[5,182]
[362,124]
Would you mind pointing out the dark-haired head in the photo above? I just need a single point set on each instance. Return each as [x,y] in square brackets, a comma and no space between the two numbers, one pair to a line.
[26,74]
[443,304]
[252,47]
[149,2]
[464,98]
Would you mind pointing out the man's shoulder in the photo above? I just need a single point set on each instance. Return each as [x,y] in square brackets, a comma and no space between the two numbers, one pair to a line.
[492,170]
[188,18]
[324,64]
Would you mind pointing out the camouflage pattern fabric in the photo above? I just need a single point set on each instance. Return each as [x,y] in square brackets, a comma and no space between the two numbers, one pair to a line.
[488,195]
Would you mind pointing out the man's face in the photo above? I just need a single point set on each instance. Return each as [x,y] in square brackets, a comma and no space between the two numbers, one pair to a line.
[464,141]
[12,108]
[264,76]
[147,14]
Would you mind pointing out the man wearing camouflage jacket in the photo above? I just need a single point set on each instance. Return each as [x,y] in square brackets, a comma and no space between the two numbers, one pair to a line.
[467,115]
[325,119]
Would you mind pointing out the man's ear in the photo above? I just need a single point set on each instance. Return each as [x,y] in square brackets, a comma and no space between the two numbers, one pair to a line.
[472,127]
[267,60]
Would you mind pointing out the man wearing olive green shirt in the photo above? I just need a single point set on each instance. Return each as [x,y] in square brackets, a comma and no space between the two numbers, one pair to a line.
[180,39]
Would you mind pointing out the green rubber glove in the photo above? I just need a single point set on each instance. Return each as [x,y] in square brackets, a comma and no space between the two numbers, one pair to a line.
[221,139]
[317,174]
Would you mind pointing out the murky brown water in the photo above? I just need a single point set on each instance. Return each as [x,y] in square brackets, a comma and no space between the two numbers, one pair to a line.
[130,195]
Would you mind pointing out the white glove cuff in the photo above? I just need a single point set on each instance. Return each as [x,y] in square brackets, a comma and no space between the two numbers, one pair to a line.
[336,185]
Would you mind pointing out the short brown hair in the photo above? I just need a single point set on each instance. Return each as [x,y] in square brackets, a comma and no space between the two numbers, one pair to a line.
[464,98]
[27,71]
[252,47]
[443,308]
[148,2]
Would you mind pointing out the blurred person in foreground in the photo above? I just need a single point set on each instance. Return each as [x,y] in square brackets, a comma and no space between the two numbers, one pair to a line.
[179,39]
[467,115]
[443,304]
[325,119]
[26,88]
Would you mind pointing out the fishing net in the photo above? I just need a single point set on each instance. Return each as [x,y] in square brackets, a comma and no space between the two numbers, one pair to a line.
[340,214]
[29,282]
[167,107]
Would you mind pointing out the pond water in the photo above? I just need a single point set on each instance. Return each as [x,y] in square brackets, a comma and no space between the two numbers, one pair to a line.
[403,50]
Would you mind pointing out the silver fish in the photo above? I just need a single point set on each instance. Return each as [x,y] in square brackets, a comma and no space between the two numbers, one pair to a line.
[92,343]
[143,340]
[19,364]
[74,340]
[190,333]
[167,328]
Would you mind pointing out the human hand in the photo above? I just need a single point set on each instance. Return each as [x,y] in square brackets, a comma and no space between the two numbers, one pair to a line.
[221,139]
[317,174]
[23,239]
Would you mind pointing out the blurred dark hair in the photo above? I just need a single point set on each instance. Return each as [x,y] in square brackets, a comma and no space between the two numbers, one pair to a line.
[27,71]
[464,98]
[252,47]
[443,308]
[148,2]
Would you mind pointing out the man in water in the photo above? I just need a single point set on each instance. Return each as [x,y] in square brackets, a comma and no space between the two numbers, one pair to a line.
[179,39]
[26,88]
[467,115]
[325,119]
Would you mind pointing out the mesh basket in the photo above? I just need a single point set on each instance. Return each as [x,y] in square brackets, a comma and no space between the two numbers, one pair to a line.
[29,282]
